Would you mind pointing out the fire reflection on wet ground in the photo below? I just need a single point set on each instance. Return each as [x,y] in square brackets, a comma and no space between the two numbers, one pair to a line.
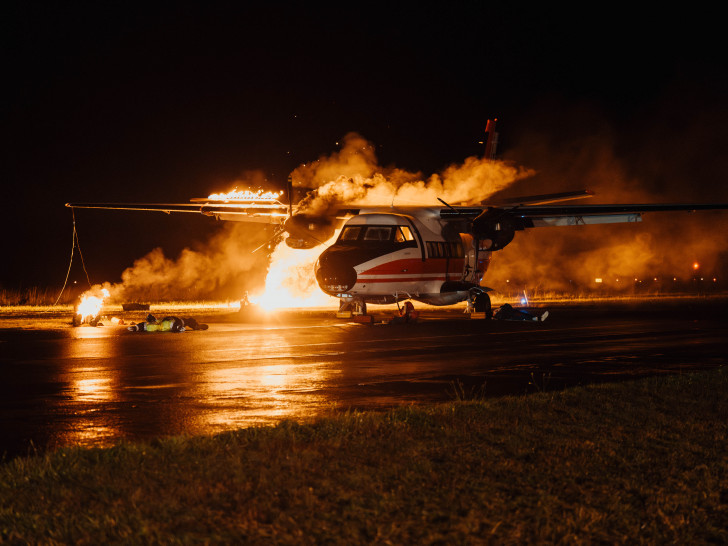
[95,386]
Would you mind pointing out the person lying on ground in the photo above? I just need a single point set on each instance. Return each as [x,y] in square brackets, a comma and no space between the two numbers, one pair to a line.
[167,324]
[506,312]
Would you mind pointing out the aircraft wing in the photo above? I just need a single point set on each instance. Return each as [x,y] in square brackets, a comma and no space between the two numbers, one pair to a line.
[496,226]
[528,216]
[267,213]
[540,216]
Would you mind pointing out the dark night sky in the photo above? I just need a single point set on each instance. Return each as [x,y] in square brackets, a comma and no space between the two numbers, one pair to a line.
[106,102]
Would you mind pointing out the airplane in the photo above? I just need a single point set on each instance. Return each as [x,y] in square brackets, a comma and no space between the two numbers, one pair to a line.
[437,255]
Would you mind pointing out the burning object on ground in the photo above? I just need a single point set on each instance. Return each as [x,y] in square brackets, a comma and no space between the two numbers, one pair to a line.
[87,309]
[249,309]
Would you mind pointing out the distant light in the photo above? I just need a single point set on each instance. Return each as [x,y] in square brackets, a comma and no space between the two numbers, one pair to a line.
[598,280]
[696,265]
[523,301]
[655,278]
[508,280]
[715,280]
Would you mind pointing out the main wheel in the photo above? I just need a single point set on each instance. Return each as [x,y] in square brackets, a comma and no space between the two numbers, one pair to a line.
[482,305]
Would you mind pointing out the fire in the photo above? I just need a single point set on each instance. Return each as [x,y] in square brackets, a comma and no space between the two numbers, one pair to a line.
[90,305]
[246,195]
[290,281]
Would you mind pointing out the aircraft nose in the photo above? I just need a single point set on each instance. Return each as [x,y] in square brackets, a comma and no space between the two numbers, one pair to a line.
[334,272]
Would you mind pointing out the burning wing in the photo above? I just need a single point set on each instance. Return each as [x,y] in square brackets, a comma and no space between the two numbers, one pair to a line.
[267,213]
[493,226]
[305,231]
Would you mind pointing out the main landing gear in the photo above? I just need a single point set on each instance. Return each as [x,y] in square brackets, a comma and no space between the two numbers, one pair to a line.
[479,305]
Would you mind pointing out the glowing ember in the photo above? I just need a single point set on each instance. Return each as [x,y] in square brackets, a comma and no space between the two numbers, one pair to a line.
[246,195]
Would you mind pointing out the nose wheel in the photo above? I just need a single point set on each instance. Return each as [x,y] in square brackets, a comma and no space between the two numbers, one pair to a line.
[353,307]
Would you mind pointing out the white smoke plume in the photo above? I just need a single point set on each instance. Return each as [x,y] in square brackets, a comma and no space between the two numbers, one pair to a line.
[352,176]
[223,269]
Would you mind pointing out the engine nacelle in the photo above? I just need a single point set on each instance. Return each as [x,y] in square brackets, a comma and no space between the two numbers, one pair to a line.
[494,229]
[306,231]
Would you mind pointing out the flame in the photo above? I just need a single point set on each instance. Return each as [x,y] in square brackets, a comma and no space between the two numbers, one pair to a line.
[245,195]
[291,282]
[90,305]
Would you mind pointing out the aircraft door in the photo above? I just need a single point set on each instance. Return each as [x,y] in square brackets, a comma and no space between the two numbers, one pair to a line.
[469,263]
[476,260]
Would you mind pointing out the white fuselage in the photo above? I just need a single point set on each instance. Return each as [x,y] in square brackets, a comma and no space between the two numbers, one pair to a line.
[383,257]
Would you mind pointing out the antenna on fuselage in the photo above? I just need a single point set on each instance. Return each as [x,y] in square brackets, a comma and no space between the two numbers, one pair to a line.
[448,205]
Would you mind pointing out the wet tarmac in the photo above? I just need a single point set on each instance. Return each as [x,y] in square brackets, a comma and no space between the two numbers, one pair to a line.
[91,386]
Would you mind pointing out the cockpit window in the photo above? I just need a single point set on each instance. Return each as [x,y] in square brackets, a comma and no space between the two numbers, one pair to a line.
[403,234]
[350,233]
[378,233]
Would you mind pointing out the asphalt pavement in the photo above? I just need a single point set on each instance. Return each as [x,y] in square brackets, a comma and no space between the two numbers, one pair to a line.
[94,386]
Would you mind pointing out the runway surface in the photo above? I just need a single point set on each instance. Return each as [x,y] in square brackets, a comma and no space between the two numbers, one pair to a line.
[93,386]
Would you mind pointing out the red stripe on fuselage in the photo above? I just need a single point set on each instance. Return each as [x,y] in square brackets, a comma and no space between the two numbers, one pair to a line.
[444,266]
[400,279]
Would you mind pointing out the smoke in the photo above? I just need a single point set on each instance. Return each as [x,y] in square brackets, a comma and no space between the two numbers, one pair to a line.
[225,267]
[353,177]
[654,165]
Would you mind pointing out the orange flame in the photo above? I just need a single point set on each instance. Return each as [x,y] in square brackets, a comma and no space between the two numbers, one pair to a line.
[291,282]
[90,305]
[245,195]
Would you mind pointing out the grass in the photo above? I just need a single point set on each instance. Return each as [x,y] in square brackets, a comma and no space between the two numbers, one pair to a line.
[36,296]
[643,461]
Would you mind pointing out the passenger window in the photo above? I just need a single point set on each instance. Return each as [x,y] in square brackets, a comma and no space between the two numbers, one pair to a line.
[378,233]
[434,250]
[350,233]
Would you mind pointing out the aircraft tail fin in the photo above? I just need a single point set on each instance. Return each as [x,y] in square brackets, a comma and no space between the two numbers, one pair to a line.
[491,141]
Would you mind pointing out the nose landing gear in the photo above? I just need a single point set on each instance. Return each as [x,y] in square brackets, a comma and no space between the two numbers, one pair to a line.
[352,308]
